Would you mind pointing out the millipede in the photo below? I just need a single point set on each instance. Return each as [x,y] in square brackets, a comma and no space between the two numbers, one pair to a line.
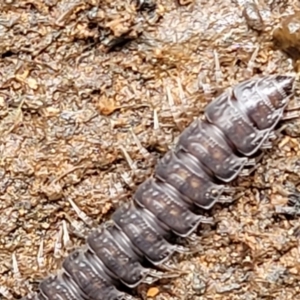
[210,153]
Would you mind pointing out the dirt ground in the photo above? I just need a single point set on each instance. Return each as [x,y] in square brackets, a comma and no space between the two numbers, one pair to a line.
[84,116]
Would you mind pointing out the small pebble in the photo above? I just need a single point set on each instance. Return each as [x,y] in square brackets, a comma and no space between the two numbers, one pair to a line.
[152,292]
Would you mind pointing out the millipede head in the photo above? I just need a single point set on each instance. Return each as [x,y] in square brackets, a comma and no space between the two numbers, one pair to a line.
[285,83]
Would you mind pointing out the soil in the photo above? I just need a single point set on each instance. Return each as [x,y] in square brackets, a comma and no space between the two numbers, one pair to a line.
[93,92]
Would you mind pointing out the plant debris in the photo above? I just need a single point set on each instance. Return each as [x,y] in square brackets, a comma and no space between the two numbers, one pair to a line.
[92,93]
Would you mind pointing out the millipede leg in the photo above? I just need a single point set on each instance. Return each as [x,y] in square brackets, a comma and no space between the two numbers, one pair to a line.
[248,172]
[156,275]
[230,190]
[172,271]
[290,115]
[267,145]
[226,200]
[167,272]
[287,210]
[252,163]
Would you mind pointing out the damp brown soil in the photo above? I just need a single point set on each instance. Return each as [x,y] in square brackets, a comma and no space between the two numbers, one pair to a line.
[92,93]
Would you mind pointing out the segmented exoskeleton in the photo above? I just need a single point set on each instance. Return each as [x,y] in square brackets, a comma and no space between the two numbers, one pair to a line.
[209,153]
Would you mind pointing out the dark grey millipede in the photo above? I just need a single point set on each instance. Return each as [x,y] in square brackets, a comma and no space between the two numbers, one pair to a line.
[210,153]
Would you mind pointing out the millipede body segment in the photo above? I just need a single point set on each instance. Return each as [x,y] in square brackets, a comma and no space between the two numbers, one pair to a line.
[210,153]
